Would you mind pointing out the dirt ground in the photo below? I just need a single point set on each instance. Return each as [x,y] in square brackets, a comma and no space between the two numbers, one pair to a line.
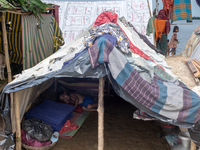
[122,132]
[181,70]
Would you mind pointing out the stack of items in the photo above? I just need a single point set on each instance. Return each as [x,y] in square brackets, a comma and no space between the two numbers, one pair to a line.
[52,113]
[194,66]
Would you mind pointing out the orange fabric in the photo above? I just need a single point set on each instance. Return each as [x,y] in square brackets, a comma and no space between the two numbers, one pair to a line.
[159,27]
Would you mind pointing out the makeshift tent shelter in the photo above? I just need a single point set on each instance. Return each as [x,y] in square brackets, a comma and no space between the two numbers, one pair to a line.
[29,39]
[140,82]
[192,47]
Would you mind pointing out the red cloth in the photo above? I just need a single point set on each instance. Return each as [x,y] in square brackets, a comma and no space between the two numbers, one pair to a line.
[56,13]
[167,6]
[68,126]
[105,17]
[27,140]
[78,109]
[167,27]
[162,15]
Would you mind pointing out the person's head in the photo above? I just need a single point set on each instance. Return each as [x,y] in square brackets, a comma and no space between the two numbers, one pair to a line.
[63,97]
[176,29]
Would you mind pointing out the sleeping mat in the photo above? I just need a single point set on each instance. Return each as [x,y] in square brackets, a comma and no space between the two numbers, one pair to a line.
[52,113]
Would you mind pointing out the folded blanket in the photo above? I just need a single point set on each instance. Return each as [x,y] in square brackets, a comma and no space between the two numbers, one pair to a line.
[52,113]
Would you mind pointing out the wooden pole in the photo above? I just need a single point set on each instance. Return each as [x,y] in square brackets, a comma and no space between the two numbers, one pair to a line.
[101,115]
[156,7]
[18,120]
[108,88]
[55,84]
[193,146]
[154,38]
[5,44]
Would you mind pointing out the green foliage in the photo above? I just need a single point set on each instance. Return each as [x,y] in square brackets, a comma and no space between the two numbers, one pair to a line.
[34,6]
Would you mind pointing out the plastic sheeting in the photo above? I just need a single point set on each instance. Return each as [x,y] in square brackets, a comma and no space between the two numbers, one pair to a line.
[6,138]
[79,68]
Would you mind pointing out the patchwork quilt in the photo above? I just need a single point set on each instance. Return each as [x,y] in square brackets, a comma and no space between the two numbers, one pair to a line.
[170,99]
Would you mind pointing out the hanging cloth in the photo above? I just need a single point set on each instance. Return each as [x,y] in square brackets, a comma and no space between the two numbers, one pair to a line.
[167,6]
[159,27]
[181,10]
[163,16]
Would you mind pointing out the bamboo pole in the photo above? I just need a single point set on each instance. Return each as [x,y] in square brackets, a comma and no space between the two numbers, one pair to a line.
[193,146]
[18,120]
[154,38]
[5,44]
[101,115]
[55,84]
[108,88]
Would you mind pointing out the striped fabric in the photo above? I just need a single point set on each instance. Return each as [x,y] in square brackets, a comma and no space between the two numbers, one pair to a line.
[170,99]
[39,42]
[34,54]
[14,37]
[181,10]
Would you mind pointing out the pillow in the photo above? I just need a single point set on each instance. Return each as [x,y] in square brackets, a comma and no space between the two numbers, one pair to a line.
[78,109]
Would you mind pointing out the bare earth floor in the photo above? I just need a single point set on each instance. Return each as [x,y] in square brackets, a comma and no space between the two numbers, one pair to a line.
[122,132]
[181,70]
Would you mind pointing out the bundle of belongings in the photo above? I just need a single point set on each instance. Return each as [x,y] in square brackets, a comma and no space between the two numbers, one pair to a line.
[44,119]
[36,133]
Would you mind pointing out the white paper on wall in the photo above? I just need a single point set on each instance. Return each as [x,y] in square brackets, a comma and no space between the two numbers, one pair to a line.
[75,17]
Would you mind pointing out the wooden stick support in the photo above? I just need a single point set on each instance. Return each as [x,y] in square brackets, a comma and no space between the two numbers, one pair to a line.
[108,88]
[55,84]
[101,114]
[5,44]
[154,38]
[193,146]
[18,120]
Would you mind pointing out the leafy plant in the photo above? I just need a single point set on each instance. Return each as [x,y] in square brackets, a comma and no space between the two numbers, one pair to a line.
[36,7]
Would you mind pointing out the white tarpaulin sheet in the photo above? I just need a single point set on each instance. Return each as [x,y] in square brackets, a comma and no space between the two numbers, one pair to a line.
[75,17]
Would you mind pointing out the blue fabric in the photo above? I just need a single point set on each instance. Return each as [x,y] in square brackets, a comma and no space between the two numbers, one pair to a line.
[112,39]
[87,100]
[52,113]
[101,46]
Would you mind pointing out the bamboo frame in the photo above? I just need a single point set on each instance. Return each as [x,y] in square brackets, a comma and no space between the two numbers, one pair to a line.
[154,38]
[193,146]
[101,114]
[18,120]
[5,43]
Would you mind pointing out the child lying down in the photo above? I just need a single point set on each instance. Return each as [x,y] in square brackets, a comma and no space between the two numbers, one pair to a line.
[87,102]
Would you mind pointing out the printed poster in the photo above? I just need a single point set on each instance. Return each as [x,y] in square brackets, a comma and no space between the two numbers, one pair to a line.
[75,17]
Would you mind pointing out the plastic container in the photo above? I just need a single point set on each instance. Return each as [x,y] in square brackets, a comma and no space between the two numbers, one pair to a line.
[185,138]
